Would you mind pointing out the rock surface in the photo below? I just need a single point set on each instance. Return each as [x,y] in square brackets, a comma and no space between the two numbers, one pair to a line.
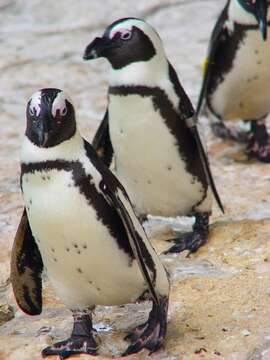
[220,299]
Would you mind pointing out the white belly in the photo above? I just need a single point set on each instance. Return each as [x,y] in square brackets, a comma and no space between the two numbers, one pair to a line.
[245,91]
[147,159]
[83,260]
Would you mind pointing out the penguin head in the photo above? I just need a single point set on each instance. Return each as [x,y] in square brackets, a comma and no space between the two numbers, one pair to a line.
[124,42]
[257,9]
[50,118]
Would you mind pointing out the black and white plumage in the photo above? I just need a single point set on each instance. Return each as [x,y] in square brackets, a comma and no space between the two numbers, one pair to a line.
[79,224]
[150,128]
[236,81]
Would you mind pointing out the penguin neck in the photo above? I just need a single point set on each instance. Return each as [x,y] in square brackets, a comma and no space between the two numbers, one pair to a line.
[148,73]
[69,150]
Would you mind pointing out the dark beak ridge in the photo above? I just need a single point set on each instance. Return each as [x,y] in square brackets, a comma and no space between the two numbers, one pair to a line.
[94,49]
[42,134]
[97,48]
[261,14]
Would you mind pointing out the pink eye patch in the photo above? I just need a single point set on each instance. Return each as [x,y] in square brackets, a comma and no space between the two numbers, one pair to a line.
[117,30]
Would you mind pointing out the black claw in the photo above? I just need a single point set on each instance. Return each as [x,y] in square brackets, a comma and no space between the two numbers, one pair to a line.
[133,349]
[128,337]
[192,241]
[221,131]
[151,334]
[181,244]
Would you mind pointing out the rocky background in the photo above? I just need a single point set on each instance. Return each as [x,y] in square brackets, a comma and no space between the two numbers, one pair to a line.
[220,299]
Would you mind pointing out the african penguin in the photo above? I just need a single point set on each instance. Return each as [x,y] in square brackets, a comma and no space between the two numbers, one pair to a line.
[236,82]
[151,129]
[79,224]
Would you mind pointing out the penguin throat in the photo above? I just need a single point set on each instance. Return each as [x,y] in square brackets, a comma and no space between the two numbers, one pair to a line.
[69,150]
[150,73]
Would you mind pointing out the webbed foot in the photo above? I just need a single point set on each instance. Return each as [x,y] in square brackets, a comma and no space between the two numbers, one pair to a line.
[223,132]
[192,241]
[151,334]
[74,345]
[82,339]
[259,143]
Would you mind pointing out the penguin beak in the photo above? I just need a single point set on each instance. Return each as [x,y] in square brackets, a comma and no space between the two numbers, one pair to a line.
[42,134]
[261,15]
[98,47]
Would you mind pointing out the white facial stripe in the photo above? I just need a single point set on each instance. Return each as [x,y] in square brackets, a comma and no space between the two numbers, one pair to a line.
[60,104]
[35,102]
[120,29]
[127,25]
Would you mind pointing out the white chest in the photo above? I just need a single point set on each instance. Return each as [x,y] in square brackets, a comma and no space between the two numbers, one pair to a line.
[82,259]
[245,91]
[147,158]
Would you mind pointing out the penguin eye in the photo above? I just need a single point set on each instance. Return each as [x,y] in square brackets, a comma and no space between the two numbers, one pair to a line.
[126,35]
[64,112]
[32,111]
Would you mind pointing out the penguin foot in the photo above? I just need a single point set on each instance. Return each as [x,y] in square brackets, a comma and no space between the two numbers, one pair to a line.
[192,241]
[82,339]
[151,334]
[259,143]
[136,332]
[74,345]
[221,131]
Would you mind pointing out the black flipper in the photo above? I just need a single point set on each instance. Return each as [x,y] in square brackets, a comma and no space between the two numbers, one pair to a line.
[120,200]
[26,269]
[115,194]
[219,31]
[187,114]
[206,166]
[102,142]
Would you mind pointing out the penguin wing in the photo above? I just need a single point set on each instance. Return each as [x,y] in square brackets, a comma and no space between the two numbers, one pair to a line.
[119,198]
[186,113]
[219,32]
[206,165]
[102,142]
[26,269]
[116,195]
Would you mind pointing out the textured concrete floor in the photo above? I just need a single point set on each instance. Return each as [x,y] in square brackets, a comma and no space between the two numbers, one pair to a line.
[220,300]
